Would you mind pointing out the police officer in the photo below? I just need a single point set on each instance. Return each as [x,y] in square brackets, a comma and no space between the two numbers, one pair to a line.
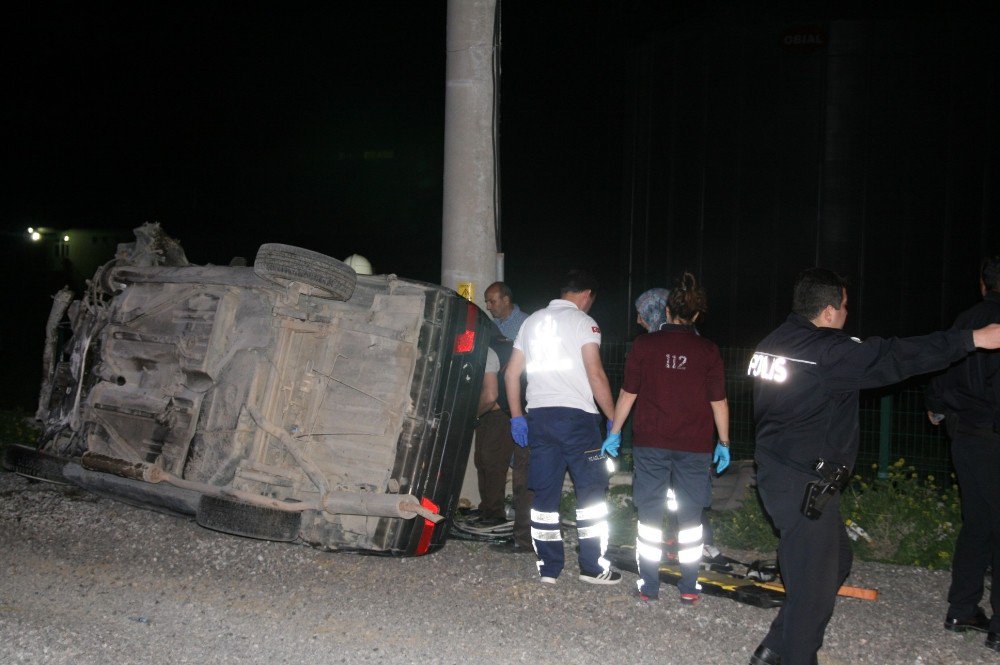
[559,346]
[807,374]
[967,398]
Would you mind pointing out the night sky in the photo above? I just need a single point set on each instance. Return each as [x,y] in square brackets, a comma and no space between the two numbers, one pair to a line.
[319,125]
[232,126]
[315,125]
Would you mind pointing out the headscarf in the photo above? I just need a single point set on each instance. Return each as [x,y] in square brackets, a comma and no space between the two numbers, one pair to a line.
[652,307]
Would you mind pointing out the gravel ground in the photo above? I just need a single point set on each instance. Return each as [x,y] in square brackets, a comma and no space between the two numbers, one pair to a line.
[92,580]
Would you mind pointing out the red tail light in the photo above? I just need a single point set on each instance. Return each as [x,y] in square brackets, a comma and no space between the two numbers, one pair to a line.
[425,536]
[466,341]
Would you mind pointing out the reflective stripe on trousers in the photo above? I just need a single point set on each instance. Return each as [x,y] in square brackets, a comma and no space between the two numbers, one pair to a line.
[592,530]
[648,548]
[656,470]
[560,439]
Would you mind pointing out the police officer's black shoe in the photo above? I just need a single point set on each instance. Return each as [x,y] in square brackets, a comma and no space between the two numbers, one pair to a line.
[765,656]
[978,621]
[993,641]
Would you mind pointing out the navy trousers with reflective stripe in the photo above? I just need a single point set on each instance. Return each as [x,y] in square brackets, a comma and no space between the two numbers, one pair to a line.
[561,438]
[688,474]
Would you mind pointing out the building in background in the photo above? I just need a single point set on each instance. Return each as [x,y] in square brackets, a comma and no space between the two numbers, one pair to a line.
[73,254]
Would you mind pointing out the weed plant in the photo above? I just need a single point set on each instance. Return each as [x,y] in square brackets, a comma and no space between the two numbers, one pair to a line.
[908,519]
[902,518]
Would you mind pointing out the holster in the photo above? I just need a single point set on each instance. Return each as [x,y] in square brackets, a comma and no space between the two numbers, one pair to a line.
[833,478]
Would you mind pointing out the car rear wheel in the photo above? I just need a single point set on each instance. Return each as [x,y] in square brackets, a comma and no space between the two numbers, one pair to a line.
[26,461]
[245,519]
[284,263]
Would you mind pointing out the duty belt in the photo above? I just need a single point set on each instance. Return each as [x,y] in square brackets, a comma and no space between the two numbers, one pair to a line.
[833,479]
[808,468]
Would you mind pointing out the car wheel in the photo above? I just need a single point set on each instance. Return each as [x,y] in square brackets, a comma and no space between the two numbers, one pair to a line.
[328,276]
[246,519]
[29,462]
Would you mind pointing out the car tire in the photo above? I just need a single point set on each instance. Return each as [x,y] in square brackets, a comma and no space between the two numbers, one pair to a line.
[29,462]
[246,519]
[328,276]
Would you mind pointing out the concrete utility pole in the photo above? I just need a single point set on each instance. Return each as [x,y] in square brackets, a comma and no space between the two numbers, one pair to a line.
[469,260]
[469,250]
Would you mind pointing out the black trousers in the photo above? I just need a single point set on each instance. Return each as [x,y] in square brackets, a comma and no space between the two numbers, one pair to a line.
[814,556]
[977,465]
[494,446]
[522,496]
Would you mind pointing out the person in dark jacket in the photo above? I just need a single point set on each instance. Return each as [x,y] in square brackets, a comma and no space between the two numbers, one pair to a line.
[807,374]
[967,399]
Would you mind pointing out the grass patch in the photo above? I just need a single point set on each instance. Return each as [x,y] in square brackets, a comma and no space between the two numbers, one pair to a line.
[17,426]
[904,518]
[748,528]
[909,519]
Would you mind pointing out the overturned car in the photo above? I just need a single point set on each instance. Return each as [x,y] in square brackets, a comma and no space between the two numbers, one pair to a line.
[293,400]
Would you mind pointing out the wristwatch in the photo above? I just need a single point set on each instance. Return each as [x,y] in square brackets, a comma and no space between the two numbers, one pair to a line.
[724,444]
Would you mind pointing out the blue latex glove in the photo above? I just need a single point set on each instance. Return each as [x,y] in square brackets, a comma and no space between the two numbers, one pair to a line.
[519,430]
[610,445]
[611,424]
[721,457]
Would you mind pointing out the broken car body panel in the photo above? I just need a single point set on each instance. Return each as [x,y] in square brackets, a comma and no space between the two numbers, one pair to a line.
[334,405]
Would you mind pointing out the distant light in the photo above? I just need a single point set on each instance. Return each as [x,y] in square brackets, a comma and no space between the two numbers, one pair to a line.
[65,238]
[35,235]
[31,230]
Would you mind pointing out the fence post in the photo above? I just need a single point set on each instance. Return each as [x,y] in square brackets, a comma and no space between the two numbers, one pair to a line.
[884,435]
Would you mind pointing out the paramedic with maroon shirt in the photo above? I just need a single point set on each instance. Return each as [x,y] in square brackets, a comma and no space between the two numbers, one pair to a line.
[675,380]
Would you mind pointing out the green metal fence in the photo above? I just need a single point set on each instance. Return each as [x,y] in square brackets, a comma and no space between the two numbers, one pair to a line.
[893,421]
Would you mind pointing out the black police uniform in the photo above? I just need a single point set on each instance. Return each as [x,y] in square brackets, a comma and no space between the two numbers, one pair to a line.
[968,394]
[806,383]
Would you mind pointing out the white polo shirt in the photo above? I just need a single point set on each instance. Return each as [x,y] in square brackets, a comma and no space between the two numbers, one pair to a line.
[552,340]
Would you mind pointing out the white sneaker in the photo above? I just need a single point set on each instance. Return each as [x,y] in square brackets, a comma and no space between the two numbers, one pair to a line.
[607,577]
[547,580]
